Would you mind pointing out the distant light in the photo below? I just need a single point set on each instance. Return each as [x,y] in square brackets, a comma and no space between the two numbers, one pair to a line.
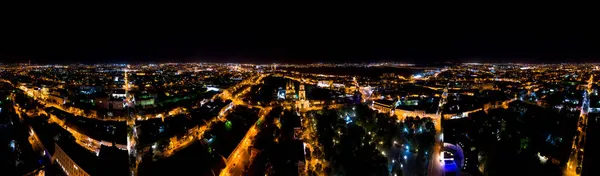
[405,157]
[382,152]
[407,148]
[304,147]
[212,89]
[543,159]
[12,144]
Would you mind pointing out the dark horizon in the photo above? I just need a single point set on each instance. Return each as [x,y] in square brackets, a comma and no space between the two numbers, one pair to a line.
[298,41]
[303,61]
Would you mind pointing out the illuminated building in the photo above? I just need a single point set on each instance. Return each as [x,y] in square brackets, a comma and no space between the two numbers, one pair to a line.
[325,84]
[280,94]
[402,113]
[118,93]
[87,90]
[383,106]
[66,163]
[301,93]
[290,91]
[350,90]
[145,100]
[302,103]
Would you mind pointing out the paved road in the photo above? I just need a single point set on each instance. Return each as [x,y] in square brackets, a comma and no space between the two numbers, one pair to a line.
[576,149]
[240,157]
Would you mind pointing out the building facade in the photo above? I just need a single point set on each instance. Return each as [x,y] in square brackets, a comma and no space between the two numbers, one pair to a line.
[383,106]
[302,102]
[66,163]
[290,91]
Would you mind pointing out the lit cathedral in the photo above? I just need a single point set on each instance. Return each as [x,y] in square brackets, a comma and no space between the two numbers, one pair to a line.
[289,94]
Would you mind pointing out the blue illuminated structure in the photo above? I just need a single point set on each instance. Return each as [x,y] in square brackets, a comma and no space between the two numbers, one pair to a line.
[348,120]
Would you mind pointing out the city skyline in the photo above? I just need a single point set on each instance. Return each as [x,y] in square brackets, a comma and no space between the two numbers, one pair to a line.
[304,95]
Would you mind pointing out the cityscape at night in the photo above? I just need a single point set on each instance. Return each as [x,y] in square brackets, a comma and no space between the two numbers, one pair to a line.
[308,94]
[291,119]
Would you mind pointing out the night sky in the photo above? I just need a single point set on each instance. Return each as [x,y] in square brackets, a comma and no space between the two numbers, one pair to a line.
[299,39]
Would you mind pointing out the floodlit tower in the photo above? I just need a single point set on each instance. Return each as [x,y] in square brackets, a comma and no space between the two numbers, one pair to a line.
[302,103]
[290,91]
[301,93]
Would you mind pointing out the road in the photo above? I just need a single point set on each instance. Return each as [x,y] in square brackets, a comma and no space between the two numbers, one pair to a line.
[132,137]
[364,91]
[195,133]
[239,159]
[576,149]
[435,166]
[85,141]
[198,132]
[309,136]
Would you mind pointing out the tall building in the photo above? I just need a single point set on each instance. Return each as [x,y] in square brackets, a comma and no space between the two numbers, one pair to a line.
[302,102]
[301,93]
[290,91]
